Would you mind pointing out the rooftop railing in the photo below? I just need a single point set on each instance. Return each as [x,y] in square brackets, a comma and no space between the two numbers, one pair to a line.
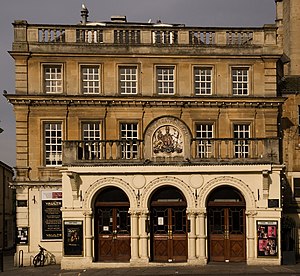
[144,35]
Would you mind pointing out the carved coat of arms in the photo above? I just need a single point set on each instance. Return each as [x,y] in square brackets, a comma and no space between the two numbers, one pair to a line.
[167,139]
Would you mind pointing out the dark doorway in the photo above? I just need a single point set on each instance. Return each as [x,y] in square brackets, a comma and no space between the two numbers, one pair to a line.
[112,226]
[168,223]
[226,225]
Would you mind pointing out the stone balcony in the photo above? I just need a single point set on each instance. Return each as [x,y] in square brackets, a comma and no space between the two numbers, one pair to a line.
[201,151]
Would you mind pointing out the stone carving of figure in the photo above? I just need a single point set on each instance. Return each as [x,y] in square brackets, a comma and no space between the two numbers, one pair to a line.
[167,141]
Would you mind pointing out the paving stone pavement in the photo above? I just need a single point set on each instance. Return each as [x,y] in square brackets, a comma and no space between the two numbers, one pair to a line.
[153,270]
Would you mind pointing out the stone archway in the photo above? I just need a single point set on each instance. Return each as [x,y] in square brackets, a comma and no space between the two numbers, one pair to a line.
[90,197]
[94,188]
[168,225]
[208,187]
[171,181]
[112,225]
[249,205]
[226,225]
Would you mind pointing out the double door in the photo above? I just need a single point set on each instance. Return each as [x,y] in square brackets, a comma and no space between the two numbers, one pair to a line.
[113,233]
[168,234]
[227,233]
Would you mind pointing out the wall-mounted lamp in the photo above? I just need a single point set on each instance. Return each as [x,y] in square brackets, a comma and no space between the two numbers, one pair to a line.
[33,199]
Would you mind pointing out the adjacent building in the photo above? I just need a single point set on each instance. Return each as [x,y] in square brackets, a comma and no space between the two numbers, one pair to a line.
[288,22]
[143,143]
[7,208]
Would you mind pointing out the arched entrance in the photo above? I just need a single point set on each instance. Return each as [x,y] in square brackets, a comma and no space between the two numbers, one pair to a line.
[168,225]
[112,226]
[226,225]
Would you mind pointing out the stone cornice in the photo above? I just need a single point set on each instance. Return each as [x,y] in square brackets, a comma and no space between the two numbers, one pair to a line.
[183,102]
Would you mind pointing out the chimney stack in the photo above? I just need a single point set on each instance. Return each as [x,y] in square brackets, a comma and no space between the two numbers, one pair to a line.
[84,14]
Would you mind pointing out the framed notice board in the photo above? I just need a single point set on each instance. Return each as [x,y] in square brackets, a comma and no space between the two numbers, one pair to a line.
[267,238]
[73,238]
[51,215]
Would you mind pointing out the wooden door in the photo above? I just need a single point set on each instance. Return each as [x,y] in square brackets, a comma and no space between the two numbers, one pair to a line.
[227,233]
[169,234]
[113,233]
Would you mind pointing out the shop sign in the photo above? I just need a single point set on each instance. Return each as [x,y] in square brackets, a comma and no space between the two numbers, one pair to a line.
[267,238]
[73,238]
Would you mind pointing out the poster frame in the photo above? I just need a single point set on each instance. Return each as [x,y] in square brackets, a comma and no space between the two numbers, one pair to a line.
[73,237]
[267,238]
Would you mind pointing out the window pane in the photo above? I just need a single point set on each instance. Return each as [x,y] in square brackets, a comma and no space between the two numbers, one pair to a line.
[128,80]
[53,144]
[165,80]
[204,145]
[203,79]
[90,79]
[91,134]
[241,133]
[240,81]
[129,147]
[53,78]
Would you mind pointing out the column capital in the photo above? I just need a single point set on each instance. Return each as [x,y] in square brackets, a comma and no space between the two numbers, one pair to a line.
[251,213]
[144,212]
[134,211]
[202,213]
[191,212]
[88,213]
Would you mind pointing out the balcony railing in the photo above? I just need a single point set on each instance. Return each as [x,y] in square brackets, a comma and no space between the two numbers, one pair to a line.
[143,35]
[214,150]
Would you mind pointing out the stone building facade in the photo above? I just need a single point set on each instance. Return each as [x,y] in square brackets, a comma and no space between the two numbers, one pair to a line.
[143,143]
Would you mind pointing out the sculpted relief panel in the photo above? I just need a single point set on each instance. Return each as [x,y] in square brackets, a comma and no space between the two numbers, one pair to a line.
[167,137]
[167,140]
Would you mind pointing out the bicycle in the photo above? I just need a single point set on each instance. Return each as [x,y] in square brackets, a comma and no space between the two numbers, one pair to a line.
[39,258]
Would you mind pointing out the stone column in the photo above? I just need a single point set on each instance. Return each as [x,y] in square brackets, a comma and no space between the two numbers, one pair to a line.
[134,236]
[88,234]
[202,237]
[192,237]
[143,236]
[251,236]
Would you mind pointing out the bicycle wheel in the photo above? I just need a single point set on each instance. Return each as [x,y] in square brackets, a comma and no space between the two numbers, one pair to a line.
[37,260]
[42,259]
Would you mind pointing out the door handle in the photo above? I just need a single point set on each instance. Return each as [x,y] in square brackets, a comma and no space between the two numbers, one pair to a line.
[170,234]
[115,234]
[226,234]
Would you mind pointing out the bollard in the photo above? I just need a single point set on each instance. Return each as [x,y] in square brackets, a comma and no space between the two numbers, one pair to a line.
[21,254]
